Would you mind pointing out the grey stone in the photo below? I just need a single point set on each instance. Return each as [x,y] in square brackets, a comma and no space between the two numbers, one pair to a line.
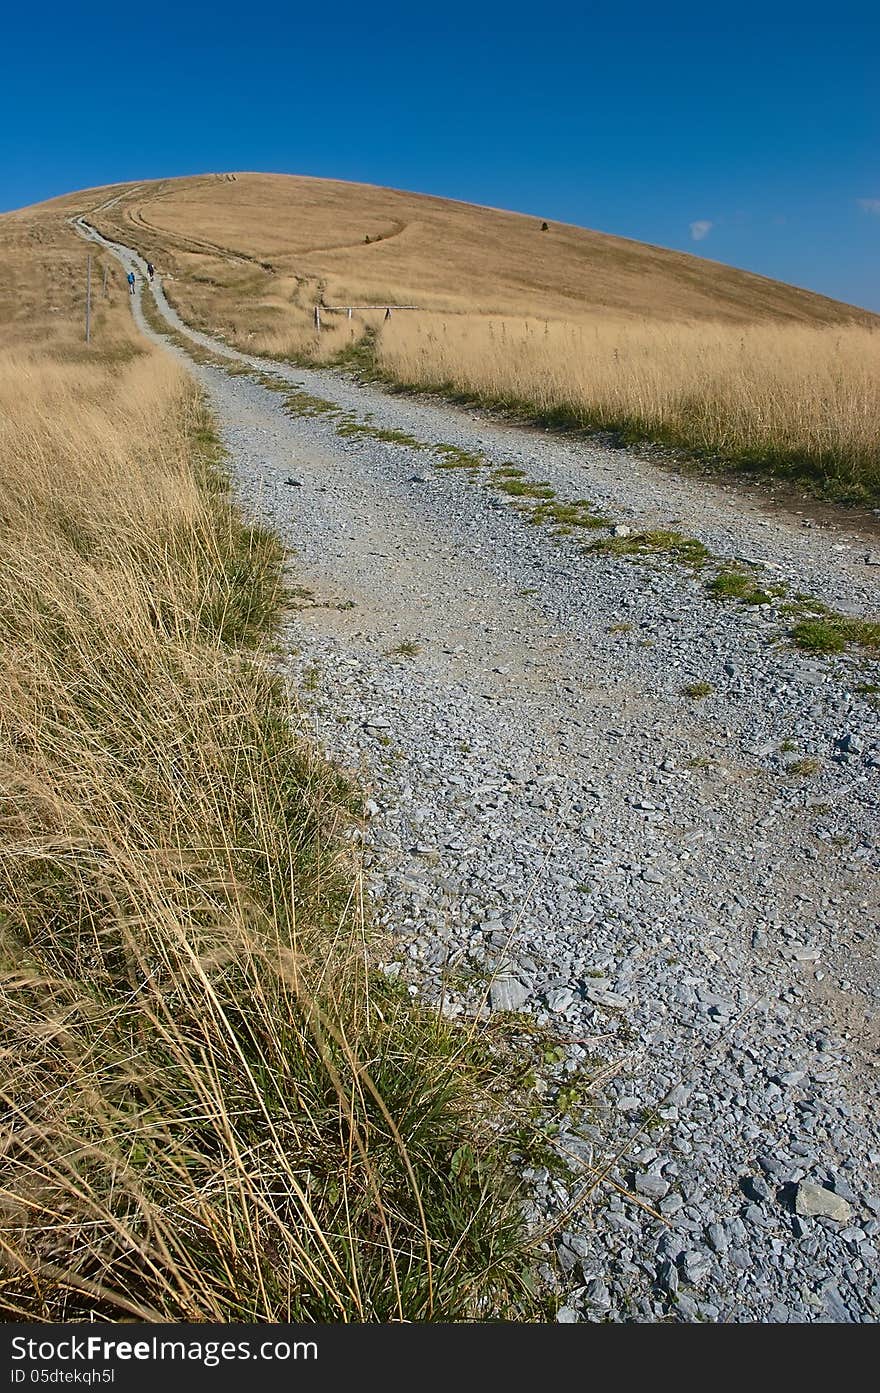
[695,1267]
[605,998]
[507,993]
[654,1186]
[717,1238]
[670,1204]
[567,1315]
[597,1295]
[851,743]
[756,1187]
[815,1200]
[559,999]
[668,1277]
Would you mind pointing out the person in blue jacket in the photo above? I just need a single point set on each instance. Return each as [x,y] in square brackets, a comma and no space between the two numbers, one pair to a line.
[131,282]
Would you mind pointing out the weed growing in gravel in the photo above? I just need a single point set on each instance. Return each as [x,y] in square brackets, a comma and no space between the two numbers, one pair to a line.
[300,403]
[622,628]
[699,762]
[568,515]
[453,457]
[656,541]
[740,585]
[697,690]
[352,428]
[804,766]
[523,488]
[409,648]
[835,632]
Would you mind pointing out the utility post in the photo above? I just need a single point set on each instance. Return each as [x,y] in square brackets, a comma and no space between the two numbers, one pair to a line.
[104,286]
[89,298]
[318,318]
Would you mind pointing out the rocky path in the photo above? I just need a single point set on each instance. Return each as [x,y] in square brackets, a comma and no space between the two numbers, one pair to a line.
[680,888]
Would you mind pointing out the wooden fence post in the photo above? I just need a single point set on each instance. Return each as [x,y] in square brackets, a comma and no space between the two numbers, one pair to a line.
[89,298]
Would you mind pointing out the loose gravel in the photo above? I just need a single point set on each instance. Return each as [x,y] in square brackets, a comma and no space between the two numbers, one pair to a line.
[679,890]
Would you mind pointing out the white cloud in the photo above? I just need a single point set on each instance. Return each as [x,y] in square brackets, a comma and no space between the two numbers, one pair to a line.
[701,229]
[869,205]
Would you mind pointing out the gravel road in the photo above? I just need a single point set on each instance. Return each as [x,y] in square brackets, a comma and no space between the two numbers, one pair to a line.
[681,890]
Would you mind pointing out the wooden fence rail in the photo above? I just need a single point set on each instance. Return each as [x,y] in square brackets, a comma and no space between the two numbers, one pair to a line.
[347,309]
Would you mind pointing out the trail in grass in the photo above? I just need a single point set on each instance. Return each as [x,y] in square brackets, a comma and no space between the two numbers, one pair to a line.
[613,799]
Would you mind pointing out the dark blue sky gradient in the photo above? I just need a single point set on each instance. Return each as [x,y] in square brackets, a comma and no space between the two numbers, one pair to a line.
[639,119]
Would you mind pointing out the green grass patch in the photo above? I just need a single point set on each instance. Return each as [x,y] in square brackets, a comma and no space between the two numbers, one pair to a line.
[658,541]
[523,488]
[453,457]
[569,515]
[300,403]
[833,633]
[697,690]
[391,437]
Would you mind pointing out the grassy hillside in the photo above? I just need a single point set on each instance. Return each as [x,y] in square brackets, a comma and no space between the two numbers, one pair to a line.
[213,1106]
[564,325]
[280,233]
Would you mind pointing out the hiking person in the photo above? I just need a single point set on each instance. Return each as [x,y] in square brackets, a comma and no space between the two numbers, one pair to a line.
[150,269]
[130,279]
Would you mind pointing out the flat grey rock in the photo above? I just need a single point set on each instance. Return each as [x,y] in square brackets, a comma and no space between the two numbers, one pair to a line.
[814,1200]
[507,993]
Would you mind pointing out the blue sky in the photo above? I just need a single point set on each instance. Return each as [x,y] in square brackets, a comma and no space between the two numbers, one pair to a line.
[743,132]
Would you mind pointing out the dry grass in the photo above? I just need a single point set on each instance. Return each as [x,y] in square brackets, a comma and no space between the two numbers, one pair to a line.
[211,1106]
[42,291]
[568,325]
[277,234]
[802,399]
